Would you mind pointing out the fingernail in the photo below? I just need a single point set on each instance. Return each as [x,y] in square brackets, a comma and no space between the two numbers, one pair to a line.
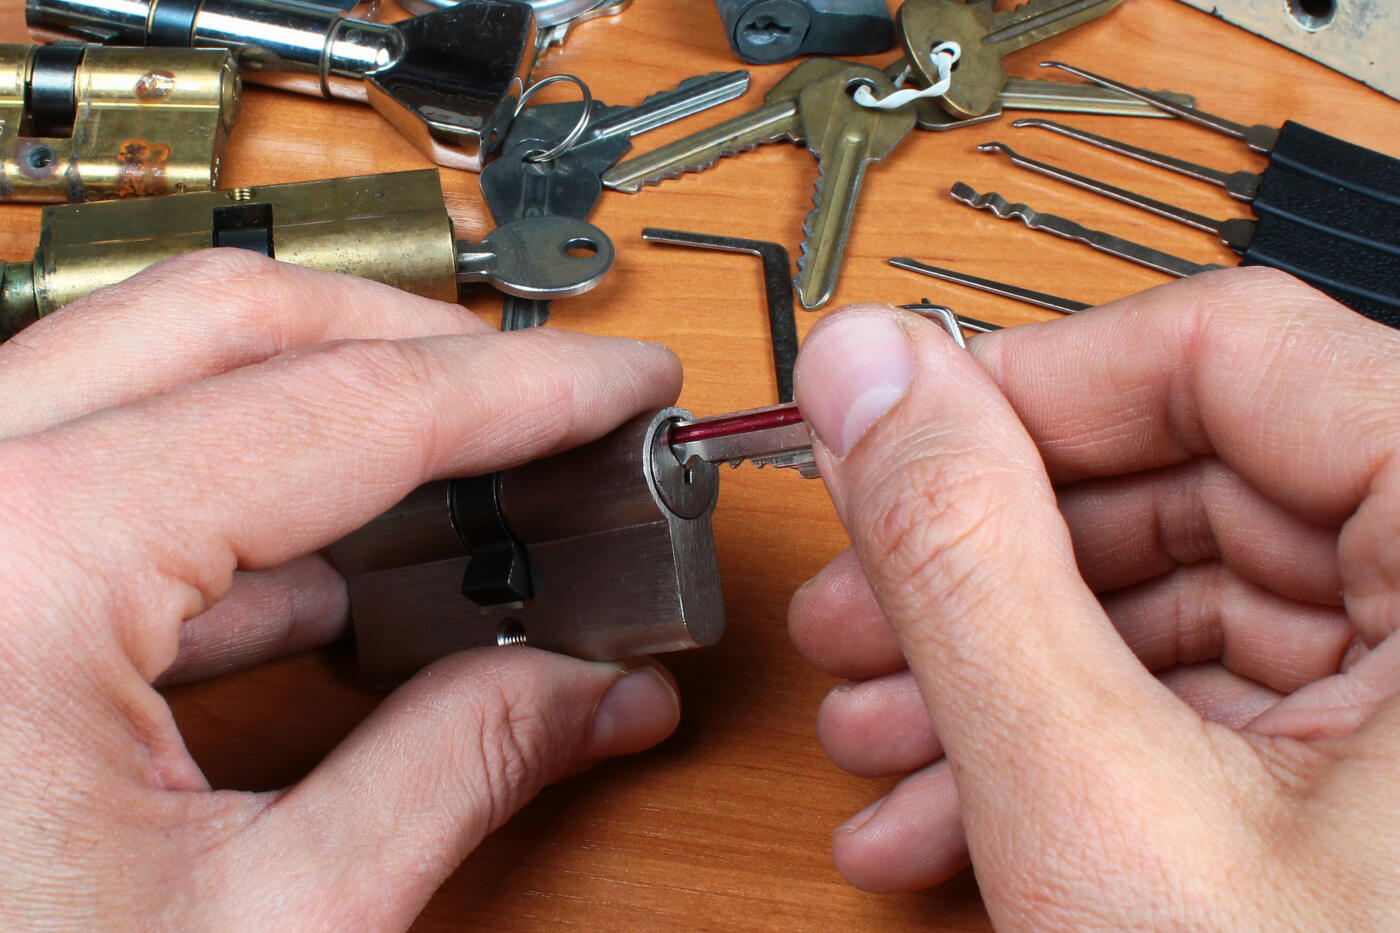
[851,372]
[860,819]
[640,709]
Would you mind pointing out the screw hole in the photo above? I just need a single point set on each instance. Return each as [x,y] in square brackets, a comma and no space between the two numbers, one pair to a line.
[39,157]
[1312,15]
[511,632]
[580,248]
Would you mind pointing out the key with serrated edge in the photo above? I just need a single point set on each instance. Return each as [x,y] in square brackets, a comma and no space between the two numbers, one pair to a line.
[845,137]
[776,120]
[983,37]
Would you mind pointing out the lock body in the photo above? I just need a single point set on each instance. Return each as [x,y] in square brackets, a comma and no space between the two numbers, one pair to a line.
[393,228]
[617,548]
[87,123]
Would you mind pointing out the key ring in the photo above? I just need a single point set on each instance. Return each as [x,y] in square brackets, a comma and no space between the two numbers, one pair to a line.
[565,144]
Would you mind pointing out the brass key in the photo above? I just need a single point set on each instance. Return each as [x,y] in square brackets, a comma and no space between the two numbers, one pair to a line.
[984,37]
[845,137]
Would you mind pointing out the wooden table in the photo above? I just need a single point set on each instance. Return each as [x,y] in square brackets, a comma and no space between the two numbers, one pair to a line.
[726,825]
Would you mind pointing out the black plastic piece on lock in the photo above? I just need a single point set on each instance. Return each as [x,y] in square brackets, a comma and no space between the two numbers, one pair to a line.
[499,569]
[762,32]
[51,93]
[245,226]
[172,22]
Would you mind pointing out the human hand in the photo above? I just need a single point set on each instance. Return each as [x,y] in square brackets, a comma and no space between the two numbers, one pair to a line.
[1128,625]
[173,452]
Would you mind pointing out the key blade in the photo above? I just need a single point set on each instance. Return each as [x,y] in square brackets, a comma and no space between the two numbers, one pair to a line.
[689,97]
[775,120]
[775,435]
[770,123]
[845,137]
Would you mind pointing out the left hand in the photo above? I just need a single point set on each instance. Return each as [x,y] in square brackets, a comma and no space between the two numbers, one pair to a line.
[173,452]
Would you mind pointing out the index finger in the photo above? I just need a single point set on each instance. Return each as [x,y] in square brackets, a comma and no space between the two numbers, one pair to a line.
[1292,391]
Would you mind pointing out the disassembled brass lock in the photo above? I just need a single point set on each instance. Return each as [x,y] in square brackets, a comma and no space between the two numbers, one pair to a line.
[602,552]
[393,228]
[87,123]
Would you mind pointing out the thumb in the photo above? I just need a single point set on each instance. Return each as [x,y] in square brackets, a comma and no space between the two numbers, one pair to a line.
[365,839]
[1032,692]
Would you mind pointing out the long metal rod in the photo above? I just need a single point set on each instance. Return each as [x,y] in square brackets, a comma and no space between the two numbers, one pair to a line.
[1039,299]
[1234,232]
[1160,208]
[1062,227]
[1241,185]
[1258,137]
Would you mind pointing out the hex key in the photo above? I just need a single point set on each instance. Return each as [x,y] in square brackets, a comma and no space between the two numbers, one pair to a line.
[777,284]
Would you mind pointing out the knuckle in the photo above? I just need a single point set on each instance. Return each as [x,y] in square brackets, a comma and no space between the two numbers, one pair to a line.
[512,736]
[929,523]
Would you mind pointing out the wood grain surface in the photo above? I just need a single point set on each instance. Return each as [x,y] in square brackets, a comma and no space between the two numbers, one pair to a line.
[726,825]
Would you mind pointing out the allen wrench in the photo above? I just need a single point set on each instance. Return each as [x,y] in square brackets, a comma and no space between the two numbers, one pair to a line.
[777,285]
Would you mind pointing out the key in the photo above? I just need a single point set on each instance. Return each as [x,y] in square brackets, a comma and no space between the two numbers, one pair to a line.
[776,120]
[984,37]
[776,435]
[516,186]
[845,137]
[538,257]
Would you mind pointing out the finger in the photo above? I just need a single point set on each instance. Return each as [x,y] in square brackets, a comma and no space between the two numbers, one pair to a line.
[909,840]
[838,626]
[878,728]
[1220,695]
[194,316]
[1206,613]
[258,466]
[266,614]
[1178,371]
[956,525]
[1342,704]
[1131,528]
[367,837]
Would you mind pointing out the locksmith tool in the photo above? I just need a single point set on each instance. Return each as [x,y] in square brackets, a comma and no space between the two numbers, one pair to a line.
[1359,272]
[1029,296]
[812,103]
[765,32]
[1304,199]
[1365,280]
[777,287]
[1035,94]
[445,80]
[86,123]
[1292,146]
[393,228]
[927,308]
[554,155]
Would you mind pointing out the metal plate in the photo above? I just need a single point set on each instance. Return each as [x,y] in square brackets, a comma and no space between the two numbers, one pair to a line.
[1356,37]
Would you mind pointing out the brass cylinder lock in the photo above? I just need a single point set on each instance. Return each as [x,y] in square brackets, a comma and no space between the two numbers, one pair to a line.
[393,228]
[88,123]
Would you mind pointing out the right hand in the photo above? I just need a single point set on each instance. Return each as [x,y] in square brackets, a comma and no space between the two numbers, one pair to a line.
[1121,606]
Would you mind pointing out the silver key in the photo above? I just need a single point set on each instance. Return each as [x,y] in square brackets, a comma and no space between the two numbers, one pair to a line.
[776,120]
[845,137]
[538,257]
